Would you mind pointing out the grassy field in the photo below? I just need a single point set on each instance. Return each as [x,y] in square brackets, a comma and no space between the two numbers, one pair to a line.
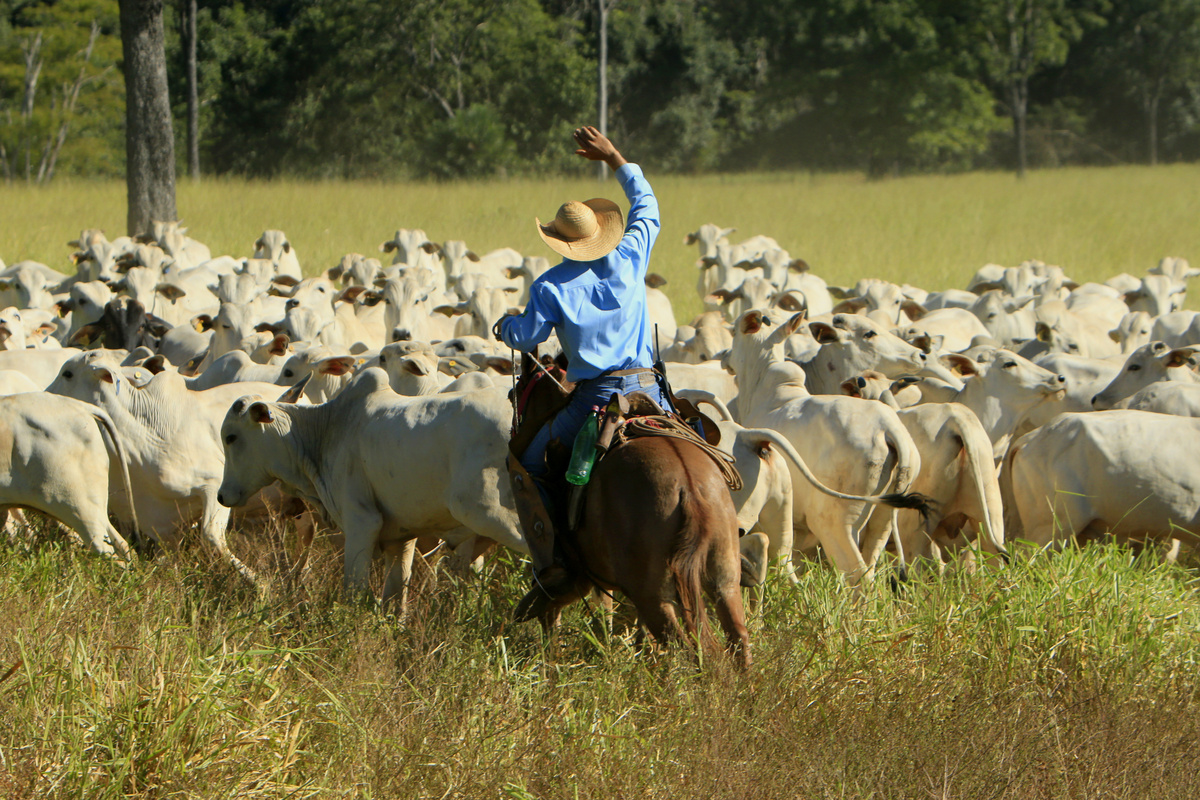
[1071,676]
[1065,676]
[932,231]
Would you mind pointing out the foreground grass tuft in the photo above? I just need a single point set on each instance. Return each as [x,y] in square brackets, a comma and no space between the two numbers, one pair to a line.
[1072,675]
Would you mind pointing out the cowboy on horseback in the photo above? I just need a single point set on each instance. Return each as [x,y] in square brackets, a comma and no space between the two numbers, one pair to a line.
[596,301]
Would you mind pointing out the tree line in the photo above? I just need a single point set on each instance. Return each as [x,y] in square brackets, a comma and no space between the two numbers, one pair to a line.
[473,88]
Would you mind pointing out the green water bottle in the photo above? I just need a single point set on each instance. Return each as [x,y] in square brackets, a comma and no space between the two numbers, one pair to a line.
[583,454]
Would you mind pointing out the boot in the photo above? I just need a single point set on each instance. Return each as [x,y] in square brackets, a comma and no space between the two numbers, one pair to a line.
[550,579]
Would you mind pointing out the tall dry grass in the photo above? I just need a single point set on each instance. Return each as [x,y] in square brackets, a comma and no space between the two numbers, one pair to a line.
[933,231]
[1071,676]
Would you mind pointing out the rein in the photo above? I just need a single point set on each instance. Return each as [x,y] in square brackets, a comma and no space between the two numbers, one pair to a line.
[520,403]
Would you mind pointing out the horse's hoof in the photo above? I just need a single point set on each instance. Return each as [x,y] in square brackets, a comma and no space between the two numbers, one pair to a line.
[532,606]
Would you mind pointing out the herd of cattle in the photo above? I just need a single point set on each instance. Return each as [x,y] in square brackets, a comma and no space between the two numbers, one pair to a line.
[158,387]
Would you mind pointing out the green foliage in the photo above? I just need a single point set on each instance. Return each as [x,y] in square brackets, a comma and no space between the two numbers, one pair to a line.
[474,88]
[61,94]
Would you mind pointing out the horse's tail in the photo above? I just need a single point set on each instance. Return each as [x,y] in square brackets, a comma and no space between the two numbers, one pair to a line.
[687,568]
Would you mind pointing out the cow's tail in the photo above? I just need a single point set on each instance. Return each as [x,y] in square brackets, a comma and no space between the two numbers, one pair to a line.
[1013,527]
[977,450]
[109,431]
[898,499]
[688,565]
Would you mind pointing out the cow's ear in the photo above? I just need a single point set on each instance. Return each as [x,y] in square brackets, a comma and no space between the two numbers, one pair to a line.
[279,345]
[913,309]
[751,322]
[501,364]
[170,291]
[823,333]
[961,364]
[155,364]
[1044,333]
[413,366]
[791,301]
[260,412]
[655,281]
[850,305]
[1179,357]
[85,335]
[451,311]
[350,294]
[336,365]
[852,387]
[202,322]
[1115,335]
[794,322]
[690,239]
[722,296]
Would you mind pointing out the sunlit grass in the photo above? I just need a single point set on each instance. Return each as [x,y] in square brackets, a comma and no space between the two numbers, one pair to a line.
[933,231]
[1072,675]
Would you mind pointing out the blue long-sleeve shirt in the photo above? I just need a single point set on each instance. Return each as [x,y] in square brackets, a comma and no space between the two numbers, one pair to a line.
[598,307]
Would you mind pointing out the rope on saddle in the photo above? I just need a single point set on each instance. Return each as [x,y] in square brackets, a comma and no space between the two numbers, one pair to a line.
[672,428]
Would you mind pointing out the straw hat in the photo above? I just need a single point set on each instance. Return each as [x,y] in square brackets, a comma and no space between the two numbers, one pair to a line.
[584,231]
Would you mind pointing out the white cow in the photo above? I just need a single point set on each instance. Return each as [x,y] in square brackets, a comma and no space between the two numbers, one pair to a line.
[1166,397]
[385,468]
[39,366]
[1003,391]
[856,445]
[55,459]
[274,246]
[1129,474]
[957,473]
[171,438]
[851,344]
[1148,364]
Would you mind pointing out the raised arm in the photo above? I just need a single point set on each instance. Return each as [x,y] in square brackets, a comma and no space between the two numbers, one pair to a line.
[595,146]
[642,225]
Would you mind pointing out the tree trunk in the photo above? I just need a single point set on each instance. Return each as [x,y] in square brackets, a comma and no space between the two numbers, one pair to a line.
[149,138]
[193,101]
[602,79]
[1020,106]
[1152,128]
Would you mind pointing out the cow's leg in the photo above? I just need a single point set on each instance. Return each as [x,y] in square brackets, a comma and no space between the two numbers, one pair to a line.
[213,521]
[775,520]
[306,529]
[1172,554]
[361,528]
[15,523]
[839,545]
[399,573]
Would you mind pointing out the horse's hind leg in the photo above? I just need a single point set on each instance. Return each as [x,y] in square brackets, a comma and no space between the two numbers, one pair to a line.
[732,616]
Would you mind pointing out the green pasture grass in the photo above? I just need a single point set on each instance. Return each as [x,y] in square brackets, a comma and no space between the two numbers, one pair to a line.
[932,231]
[1066,676]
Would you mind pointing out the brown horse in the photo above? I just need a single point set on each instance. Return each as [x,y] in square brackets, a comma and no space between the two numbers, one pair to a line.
[658,524]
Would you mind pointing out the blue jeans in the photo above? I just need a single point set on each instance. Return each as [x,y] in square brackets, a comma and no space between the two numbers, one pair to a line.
[566,424]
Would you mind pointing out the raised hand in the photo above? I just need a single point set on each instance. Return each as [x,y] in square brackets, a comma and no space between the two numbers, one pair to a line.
[595,146]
